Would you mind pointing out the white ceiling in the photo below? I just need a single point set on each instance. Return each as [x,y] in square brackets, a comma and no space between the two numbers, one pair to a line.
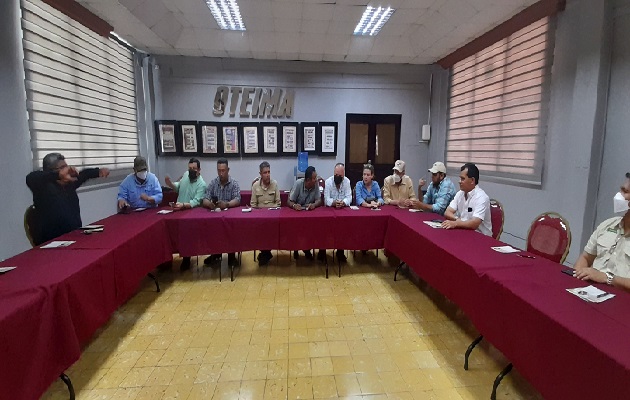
[419,31]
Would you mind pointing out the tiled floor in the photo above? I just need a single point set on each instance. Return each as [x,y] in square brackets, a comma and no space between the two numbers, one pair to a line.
[284,331]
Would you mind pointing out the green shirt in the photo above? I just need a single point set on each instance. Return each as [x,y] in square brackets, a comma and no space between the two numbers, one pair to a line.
[190,192]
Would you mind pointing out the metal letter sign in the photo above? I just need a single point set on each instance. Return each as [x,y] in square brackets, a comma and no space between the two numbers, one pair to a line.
[254,102]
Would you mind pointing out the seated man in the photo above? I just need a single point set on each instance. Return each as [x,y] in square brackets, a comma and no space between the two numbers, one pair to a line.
[398,188]
[338,194]
[305,196]
[265,194]
[222,192]
[470,209]
[605,257]
[190,189]
[140,189]
[55,197]
[439,193]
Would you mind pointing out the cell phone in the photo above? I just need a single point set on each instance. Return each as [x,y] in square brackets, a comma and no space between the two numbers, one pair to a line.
[215,199]
[568,271]
[439,221]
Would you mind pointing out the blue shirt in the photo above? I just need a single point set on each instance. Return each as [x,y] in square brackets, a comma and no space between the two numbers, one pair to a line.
[363,194]
[130,190]
[441,196]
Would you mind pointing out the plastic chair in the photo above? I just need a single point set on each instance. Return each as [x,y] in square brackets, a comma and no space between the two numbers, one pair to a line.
[497,216]
[549,236]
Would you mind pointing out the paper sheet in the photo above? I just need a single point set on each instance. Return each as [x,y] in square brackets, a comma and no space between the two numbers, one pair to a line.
[6,269]
[165,211]
[505,249]
[433,224]
[58,243]
[591,294]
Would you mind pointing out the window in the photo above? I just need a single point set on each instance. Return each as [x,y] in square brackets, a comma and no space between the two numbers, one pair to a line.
[498,107]
[80,91]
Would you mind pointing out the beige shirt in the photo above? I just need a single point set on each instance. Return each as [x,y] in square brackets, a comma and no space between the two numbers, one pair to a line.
[265,198]
[402,191]
[610,248]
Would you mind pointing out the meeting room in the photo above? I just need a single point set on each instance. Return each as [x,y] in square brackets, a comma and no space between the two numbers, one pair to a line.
[314,199]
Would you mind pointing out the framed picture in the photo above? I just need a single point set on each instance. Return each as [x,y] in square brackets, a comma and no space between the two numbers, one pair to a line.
[251,140]
[188,136]
[230,136]
[270,139]
[310,137]
[328,139]
[209,139]
[288,138]
[165,140]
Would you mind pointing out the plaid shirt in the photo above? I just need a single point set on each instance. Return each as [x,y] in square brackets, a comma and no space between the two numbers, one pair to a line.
[226,193]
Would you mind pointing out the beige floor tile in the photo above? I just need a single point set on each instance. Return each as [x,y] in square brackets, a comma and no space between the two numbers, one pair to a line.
[299,367]
[300,388]
[161,376]
[276,389]
[255,370]
[347,385]
[227,390]
[324,387]
[112,378]
[136,377]
[252,390]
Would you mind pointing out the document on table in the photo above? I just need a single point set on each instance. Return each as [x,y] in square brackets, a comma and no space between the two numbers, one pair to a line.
[591,293]
[505,249]
[92,226]
[58,243]
[354,208]
[433,224]
[165,211]
[6,269]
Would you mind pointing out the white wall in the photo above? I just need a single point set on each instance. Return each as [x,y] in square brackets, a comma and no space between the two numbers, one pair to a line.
[323,92]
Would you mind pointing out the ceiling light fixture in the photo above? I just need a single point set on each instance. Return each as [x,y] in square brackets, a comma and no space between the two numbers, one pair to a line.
[227,14]
[373,20]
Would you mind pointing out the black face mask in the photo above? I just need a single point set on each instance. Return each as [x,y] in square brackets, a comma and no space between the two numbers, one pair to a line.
[338,179]
[192,174]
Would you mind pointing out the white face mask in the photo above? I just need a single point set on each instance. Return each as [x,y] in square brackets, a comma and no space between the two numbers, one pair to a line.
[397,178]
[620,204]
[142,175]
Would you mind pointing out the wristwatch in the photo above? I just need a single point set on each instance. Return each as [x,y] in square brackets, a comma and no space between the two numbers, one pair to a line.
[609,278]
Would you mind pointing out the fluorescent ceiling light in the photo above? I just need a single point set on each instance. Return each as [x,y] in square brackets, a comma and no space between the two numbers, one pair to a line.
[227,14]
[373,20]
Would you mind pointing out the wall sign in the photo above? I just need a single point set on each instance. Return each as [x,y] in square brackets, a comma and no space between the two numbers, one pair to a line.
[253,102]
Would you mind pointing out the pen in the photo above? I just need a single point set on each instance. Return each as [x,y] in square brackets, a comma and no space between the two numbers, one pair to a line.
[525,256]
[599,296]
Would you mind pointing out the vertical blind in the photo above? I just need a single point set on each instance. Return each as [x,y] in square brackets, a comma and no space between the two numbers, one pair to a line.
[499,107]
[80,91]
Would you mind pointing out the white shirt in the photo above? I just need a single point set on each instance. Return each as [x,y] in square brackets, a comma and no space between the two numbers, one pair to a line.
[476,206]
[611,247]
[331,193]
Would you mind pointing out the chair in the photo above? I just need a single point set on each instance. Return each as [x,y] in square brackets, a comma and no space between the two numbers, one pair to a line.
[497,216]
[549,236]
[30,222]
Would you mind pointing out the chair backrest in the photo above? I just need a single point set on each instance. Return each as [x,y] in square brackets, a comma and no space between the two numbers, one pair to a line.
[168,195]
[29,223]
[549,236]
[497,216]
[354,195]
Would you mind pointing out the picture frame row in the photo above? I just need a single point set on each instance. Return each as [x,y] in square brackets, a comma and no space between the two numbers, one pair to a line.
[243,139]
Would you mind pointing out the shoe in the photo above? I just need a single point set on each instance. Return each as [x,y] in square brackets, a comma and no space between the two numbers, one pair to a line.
[341,256]
[264,259]
[185,265]
[296,255]
[321,255]
[212,258]
[308,255]
[364,252]
[232,261]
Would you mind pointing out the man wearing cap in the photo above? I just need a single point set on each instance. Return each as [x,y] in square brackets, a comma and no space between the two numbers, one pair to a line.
[470,208]
[398,187]
[439,193]
[140,189]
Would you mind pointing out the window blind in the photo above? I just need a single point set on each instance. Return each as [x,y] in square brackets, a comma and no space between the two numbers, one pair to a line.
[80,91]
[499,107]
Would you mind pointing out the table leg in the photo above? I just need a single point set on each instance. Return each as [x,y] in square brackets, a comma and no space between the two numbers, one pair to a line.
[470,349]
[398,269]
[68,383]
[498,380]
[157,284]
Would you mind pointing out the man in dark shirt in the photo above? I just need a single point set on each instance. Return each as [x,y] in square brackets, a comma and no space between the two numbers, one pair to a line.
[55,198]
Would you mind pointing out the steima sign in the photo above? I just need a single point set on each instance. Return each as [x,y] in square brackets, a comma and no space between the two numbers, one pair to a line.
[254,102]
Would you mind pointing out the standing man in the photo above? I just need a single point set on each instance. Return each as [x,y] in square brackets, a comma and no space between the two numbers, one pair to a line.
[265,194]
[398,187]
[55,197]
[605,257]
[439,193]
[140,189]
[338,194]
[470,209]
[222,192]
[190,189]
[305,196]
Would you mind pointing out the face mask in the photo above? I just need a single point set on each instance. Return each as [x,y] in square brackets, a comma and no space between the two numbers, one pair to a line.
[338,179]
[192,174]
[142,175]
[397,178]
[620,204]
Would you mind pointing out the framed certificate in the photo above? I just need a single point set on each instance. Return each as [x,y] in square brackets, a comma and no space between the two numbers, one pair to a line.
[251,140]
[288,138]
[209,139]
[188,136]
[165,139]
[310,134]
[328,145]
[230,135]
[270,139]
